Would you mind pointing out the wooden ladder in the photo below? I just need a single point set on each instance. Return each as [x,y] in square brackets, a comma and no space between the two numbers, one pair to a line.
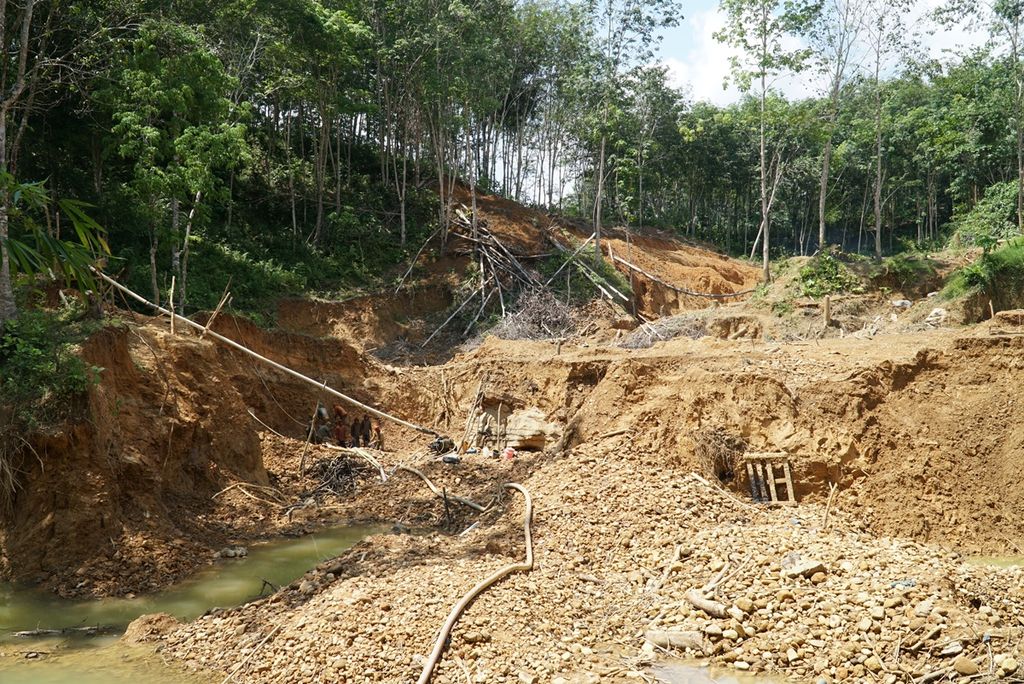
[762,472]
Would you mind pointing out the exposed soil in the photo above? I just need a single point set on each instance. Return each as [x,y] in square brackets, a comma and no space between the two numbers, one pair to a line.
[912,420]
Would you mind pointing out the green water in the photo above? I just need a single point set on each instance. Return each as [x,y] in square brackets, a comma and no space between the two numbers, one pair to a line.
[227,583]
[683,672]
[996,561]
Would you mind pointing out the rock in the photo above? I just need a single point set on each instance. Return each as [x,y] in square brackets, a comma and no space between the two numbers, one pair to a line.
[529,429]
[873,664]
[937,317]
[792,655]
[730,634]
[745,604]
[741,665]
[527,678]
[150,628]
[923,609]
[818,578]
[951,649]
[736,614]
[713,631]
[965,666]
[877,613]
[795,566]
[1008,666]
[864,625]
[307,587]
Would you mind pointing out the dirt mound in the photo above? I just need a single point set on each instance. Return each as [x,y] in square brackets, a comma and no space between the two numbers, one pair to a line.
[122,500]
[684,266]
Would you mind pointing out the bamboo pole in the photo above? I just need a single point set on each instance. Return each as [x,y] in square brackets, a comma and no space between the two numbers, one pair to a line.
[285,369]
[171,300]
[223,300]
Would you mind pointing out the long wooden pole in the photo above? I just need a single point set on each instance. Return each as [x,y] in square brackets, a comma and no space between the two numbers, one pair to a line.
[285,369]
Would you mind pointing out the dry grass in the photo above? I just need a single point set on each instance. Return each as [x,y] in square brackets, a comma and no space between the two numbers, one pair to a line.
[718,452]
[539,315]
[685,325]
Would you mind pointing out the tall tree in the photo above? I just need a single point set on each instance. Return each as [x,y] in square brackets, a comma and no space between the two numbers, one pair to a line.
[835,38]
[626,32]
[763,31]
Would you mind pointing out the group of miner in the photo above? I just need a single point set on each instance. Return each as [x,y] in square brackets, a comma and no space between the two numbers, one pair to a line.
[346,431]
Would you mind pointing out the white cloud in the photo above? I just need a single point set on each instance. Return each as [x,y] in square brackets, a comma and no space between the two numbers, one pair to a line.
[705,63]
[699,63]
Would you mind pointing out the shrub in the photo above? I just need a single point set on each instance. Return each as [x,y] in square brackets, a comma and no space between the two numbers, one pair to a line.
[40,376]
[998,274]
[991,219]
[825,274]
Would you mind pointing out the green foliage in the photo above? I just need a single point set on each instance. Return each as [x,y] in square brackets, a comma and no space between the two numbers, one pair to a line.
[41,371]
[998,274]
[905,270]
[579,289]
[32,246]
[992,219]
[826,274]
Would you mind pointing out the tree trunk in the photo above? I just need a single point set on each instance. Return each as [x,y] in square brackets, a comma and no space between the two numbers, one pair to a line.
[766,270]
[826,162]
[598,187]
[8,305]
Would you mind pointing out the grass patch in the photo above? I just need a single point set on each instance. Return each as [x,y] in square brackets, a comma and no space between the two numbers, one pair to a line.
[999,274]
[575,286]
[904,270]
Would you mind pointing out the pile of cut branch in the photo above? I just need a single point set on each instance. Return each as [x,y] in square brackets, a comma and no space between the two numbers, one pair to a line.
[539,315]
[685,325]
[337,475]
[501,271]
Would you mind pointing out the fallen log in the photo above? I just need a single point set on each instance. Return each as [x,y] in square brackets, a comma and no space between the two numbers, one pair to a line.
[95,630]
[695,641]
[713,608]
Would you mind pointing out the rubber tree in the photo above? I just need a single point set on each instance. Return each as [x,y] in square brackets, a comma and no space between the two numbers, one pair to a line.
[887,40]
[626,31]
[835,39]
[763,33]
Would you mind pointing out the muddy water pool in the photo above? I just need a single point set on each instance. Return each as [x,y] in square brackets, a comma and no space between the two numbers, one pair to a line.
[82,660]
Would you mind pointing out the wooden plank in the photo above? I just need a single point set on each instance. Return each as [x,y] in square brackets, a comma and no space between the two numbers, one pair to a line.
[787,473]
[759,467]
[751,480]
[771,481]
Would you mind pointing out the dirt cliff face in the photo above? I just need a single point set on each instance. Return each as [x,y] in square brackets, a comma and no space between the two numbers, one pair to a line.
[122,499]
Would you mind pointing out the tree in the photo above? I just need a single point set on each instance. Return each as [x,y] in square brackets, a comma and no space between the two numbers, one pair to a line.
[887,39]
[834,37]
[626,34]
[1004,22]
[174,120]
[762,31]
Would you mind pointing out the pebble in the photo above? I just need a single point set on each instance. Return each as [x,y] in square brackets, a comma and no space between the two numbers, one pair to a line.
[965,666]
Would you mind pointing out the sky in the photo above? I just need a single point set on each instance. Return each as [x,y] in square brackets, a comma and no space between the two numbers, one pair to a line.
[699,64]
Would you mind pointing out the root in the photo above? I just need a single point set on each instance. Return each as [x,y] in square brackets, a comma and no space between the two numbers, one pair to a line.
[458,499]
[453,616]
[718,452]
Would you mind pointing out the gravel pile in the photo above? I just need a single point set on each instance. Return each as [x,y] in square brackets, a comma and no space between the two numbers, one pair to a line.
[619,542]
